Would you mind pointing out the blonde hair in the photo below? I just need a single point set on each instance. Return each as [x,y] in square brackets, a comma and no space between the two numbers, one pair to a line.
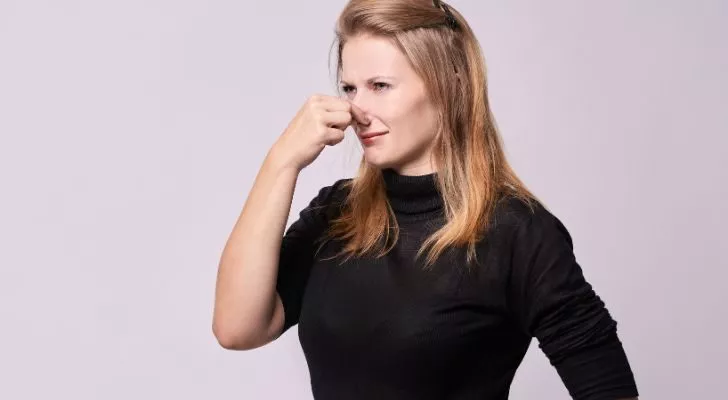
[473,173]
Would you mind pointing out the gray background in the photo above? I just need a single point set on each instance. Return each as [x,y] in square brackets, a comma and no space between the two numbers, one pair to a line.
[132,131]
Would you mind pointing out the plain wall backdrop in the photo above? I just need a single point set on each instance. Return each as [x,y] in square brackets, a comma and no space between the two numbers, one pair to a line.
[131,132]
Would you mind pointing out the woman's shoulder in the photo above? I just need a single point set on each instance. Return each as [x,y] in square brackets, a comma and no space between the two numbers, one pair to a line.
[512,210]
[527,216]
[334,191]
[330,197]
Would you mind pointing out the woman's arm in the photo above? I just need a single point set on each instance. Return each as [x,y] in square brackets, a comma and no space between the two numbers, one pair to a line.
[554,303]
[247,310]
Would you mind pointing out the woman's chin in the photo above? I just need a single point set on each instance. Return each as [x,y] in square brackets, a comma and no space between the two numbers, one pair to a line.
[376,160]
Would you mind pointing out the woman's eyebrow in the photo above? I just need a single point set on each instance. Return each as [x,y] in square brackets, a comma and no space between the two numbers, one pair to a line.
[370,80]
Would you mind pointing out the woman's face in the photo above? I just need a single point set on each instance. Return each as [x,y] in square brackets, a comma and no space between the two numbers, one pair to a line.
[377,78]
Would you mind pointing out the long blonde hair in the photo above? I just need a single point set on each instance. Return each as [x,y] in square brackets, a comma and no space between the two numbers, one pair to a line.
[473,173]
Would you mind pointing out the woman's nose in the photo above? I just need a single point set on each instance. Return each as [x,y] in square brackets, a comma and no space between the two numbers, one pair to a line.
[363,106]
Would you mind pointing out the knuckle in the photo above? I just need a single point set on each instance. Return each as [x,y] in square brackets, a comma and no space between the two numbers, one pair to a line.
[314,107]
[318,118]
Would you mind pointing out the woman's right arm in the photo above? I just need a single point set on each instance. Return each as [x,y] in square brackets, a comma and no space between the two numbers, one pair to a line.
[248,311]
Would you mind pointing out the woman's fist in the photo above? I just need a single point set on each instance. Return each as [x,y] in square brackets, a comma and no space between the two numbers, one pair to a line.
[320,122]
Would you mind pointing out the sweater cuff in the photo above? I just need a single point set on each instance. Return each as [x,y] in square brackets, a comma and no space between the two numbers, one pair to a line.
[601,372]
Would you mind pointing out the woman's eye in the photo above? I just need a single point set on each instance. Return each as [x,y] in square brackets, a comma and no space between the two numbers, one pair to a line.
[380,85]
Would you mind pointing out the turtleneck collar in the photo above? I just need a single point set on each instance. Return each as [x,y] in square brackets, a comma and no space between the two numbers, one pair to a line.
[412,196]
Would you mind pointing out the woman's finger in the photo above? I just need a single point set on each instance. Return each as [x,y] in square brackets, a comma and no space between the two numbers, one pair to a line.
[338,119]
[359,115]
[338,104]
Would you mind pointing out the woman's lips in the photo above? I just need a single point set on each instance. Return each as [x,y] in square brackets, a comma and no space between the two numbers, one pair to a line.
[371,134]
[370,138]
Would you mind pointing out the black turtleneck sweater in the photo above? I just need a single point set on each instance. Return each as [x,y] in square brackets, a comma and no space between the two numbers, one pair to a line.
[388,329]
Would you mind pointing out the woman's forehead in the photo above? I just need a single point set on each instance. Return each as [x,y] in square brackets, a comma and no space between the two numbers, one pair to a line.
[364,58]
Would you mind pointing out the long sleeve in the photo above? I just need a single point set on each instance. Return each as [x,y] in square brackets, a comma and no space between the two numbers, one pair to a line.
[298,247]
[552,301]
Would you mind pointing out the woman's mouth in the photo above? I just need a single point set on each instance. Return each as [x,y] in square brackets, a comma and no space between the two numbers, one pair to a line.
[371,137]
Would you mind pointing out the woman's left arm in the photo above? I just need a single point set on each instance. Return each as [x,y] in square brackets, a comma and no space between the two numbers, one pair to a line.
[552,301]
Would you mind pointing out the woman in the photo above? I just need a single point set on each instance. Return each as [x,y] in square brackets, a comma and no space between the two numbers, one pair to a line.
[427,275]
